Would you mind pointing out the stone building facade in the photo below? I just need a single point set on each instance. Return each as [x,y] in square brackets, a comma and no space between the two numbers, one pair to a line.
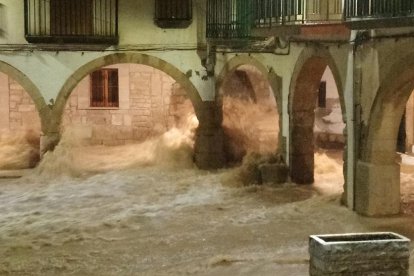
[370,55]
[17,110]
[150,103]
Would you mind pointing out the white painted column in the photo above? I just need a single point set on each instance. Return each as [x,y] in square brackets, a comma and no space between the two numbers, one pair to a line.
[349,96]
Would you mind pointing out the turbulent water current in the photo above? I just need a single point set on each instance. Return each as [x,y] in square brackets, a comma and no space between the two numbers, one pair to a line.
[146,210]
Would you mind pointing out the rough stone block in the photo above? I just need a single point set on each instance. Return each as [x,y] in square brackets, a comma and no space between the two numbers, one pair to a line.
[27,108]
[377,189]
[273,173]
[359,254]
[117,119]
[127,120]
[302,167]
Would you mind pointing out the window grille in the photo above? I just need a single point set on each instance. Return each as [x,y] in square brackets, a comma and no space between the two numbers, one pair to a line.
[71,21]
[173,13]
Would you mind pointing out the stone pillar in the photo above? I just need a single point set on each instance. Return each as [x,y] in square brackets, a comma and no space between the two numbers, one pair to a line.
[208,148]
[48,142]
[302,147]
[377,189]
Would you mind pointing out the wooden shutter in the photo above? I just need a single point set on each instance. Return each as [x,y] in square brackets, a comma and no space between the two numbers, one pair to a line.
[104,88]
[112,88]
[97,89]
[71,17]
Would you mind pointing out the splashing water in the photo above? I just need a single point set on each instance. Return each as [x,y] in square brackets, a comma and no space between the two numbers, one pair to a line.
[173,149]
[19,150]
[248,127]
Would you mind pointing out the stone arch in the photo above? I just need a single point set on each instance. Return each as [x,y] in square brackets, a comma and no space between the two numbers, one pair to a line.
[275,82]
[377,190]
[31,89]
[304,85]
[118,58]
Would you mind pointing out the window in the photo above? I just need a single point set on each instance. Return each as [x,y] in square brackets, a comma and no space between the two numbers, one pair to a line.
[71,17]
[71,21]
[173,13]
[322,95]
[104,88]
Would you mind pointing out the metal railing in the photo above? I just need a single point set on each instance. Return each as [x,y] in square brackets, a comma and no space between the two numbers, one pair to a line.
[268,13]
[71,21]
[229,19]
[365,9]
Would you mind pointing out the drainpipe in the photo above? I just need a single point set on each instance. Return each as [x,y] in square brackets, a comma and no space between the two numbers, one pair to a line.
[351,124]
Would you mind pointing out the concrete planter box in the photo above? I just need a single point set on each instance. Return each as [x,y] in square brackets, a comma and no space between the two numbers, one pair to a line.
[359,254]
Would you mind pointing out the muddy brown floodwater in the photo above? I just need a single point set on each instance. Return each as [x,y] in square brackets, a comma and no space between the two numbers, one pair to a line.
[145,210]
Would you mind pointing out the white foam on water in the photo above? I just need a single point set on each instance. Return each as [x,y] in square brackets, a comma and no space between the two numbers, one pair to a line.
[18,149]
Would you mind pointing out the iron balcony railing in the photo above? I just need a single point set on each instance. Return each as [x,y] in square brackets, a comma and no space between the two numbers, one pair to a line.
[71,21]
[229,19]
[378,9]
[269,13]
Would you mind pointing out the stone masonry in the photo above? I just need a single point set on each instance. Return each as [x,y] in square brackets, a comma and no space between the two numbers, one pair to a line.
[362,254]
[150,103]
[19,111]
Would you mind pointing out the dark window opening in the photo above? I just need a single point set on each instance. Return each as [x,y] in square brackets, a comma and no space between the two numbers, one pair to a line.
[322,95]
[71,21]
[173,13]
[71,17]
[104,88]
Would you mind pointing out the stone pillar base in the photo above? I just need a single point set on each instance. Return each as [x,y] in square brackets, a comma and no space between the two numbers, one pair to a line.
[377,189]
[302,167]
[48,142]
[209,149]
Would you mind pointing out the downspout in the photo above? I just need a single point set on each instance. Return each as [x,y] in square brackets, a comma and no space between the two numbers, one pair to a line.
[351,124]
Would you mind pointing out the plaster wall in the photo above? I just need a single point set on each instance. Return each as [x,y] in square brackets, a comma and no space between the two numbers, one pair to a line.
[136,25]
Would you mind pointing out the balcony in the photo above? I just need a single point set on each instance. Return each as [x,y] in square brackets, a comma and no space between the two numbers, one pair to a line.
[274,13]
[364,14]
[229,19]
[71,21]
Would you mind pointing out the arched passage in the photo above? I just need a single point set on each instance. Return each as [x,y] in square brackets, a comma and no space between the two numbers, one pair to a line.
[205,154]
[31,90]
[305,85]
[119,58]
[125,104]
[377,190]
[249,97]
[22,112]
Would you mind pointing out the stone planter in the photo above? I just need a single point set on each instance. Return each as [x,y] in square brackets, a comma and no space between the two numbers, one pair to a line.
[359,254]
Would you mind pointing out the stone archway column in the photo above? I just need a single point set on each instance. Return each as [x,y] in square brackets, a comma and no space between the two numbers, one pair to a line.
[48,142]
[208,148]
[377,189]
[50,136]
[302,147]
